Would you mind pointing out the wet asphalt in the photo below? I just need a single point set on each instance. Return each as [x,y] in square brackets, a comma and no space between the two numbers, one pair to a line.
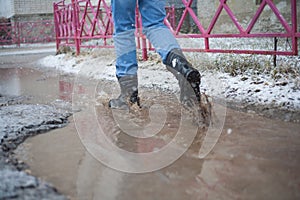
[20,119]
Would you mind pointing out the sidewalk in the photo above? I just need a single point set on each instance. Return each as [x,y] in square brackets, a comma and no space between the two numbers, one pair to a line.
[28,49]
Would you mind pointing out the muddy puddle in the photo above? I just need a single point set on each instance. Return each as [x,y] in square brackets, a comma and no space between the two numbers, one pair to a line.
[252,157]
[35,85]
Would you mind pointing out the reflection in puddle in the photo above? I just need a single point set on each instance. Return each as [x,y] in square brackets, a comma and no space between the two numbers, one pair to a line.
[10,82]
[242,163]
[255,157]
[43,88]
[111,136]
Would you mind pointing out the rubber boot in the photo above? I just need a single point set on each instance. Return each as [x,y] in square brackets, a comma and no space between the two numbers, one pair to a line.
[129,93]
[188,77]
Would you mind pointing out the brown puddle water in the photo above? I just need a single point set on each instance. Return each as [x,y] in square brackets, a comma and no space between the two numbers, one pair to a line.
[254,158]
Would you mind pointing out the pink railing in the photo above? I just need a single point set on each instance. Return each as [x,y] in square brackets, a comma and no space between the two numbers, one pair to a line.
[291,31]
[17,33]
[82,21]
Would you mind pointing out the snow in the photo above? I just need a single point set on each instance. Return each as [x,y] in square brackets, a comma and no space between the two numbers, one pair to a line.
[249,88]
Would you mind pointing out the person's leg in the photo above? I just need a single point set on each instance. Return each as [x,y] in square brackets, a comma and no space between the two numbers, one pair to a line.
[153,14]
[123,12]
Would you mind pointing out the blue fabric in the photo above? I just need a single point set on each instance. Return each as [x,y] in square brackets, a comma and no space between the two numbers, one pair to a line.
[153,14]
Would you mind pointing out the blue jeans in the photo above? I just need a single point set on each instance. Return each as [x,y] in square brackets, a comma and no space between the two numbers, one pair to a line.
[153,14]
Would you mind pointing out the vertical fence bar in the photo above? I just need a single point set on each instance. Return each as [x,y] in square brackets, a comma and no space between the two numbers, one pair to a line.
[18,33]
[75,25]
[56,24]
[139,34]
[294,27]
[173,17]
[137,27]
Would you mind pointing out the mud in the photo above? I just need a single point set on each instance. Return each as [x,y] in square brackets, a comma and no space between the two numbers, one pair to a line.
[21,113]
[254,157]
[19,120]
[17,123]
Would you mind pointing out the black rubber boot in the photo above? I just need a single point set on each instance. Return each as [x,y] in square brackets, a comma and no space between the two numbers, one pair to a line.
[188,77]
[129,93]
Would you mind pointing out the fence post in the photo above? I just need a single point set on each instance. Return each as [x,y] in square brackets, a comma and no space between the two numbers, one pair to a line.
[18,33]
[139,34]
[75,25]
[56,24]
[294,27]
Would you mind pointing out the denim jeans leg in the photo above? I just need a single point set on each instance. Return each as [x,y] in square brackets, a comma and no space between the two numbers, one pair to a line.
[123,12]
[153,14]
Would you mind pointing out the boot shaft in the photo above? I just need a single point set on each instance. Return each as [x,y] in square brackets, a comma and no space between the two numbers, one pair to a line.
[177,61]
[187,76]
[128,85]
[129,93]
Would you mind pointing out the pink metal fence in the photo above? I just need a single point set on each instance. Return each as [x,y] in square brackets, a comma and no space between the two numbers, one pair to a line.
[16,33]
[290,30]
[82,21]
[6,33]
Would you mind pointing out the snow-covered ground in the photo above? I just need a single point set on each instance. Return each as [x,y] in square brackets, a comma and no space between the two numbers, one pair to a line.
[243,79]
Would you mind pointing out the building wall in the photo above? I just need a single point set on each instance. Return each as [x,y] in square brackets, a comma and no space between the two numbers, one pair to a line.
[9,8]
[25,7]
[6,8]
[205,10]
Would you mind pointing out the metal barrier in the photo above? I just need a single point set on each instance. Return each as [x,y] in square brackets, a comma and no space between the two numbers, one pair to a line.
[17,33]
[82,21]
[291,31]
[6,33]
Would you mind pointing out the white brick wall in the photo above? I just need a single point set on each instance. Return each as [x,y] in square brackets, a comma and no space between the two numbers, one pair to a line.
[33,6]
